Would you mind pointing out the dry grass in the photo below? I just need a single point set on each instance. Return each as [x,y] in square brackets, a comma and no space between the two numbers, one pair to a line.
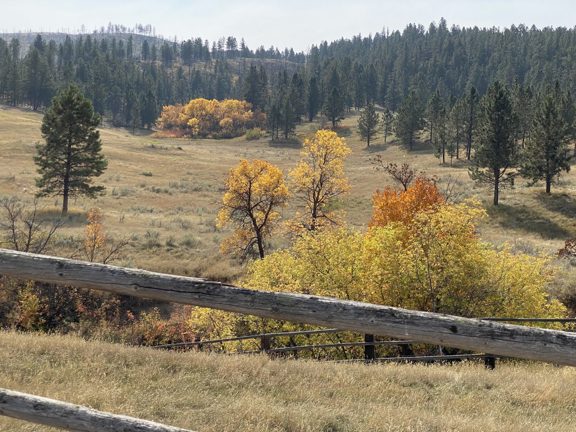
[226,393]
[165,193]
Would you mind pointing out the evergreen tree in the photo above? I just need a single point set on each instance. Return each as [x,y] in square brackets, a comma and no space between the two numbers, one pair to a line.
[409,120]
[313,105]
[72,153]
[334,102]
[254,91]
[440,138]
[456,128]
[496,150]
[434,113]
[387,123]
[38,82]
[546,152]
[368,123]
[471,107]
[522,101]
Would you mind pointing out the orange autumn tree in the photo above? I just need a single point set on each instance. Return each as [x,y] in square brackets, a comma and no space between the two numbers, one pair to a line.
[391,205]
[256,189]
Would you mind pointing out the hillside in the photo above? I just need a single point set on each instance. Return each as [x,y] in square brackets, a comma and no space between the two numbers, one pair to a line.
[164,193]
[233,393]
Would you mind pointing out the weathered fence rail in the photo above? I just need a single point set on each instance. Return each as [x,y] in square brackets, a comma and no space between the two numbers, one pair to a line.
[76,418]
[471,334]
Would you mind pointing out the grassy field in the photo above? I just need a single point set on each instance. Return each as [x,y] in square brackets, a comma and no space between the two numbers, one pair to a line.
[233,393]
[165,193]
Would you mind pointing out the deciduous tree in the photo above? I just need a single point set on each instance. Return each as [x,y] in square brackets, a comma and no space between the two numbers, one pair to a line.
[319,178]
[255,191]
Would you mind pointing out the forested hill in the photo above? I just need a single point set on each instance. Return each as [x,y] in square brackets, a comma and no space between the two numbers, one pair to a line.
[130,77]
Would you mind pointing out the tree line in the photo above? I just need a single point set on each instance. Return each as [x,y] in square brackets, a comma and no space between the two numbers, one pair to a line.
[130,77]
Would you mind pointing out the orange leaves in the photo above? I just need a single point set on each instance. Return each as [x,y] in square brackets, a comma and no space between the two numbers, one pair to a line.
[402,206]
[203,118]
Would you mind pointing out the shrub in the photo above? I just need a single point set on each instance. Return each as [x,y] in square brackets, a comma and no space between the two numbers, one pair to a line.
[253,134]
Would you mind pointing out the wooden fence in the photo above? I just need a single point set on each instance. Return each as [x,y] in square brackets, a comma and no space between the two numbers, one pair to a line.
[508,340]
[265,345]
[552,346]
[67,416]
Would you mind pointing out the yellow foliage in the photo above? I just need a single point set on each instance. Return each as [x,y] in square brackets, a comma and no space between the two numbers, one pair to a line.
[319,178]
[255,191]
[203,117]
[437,264]
[94,236]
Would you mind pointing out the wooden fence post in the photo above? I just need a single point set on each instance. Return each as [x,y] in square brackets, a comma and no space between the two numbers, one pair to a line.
[369,350]
[490,362]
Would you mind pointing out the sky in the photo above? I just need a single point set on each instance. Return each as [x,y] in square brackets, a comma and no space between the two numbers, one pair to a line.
[289,23]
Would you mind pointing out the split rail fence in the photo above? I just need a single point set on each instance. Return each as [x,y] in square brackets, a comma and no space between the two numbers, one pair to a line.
[498,339]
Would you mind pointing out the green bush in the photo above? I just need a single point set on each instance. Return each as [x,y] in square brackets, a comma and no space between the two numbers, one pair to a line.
[254,134]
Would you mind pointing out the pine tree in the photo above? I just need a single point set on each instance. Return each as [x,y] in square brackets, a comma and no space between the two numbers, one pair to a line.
[387,123]
[368,123]
[434,112]
[313,105]
[72,153]
[471,105]
[546,152]
[334,102]
[409,120]
[496,153]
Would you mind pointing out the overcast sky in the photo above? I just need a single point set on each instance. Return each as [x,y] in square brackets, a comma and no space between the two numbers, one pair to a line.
[282,23]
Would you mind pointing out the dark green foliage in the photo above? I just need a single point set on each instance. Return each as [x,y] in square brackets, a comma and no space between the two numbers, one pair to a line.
[71,156]
[334,101]
[409,119]
[546,153]
[496,151]
[387,123]
[314,103]
[435,114]
[471,119]
[383,68]
[255,88]
[368,123]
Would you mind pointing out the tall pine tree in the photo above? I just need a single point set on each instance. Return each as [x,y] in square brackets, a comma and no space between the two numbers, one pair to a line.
[72,154]
[546,152]
[496,153]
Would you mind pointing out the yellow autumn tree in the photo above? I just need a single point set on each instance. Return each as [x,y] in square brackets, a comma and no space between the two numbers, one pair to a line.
[319,179]
[94,235]
[209,118]
[436,263]
[97,245]
[255,191]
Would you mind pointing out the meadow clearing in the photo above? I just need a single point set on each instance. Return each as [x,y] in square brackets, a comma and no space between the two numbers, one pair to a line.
[164,193]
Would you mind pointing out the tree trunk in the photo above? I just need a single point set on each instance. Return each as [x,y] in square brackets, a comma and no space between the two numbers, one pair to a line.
[496,186]
[260,244]
[548,183]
